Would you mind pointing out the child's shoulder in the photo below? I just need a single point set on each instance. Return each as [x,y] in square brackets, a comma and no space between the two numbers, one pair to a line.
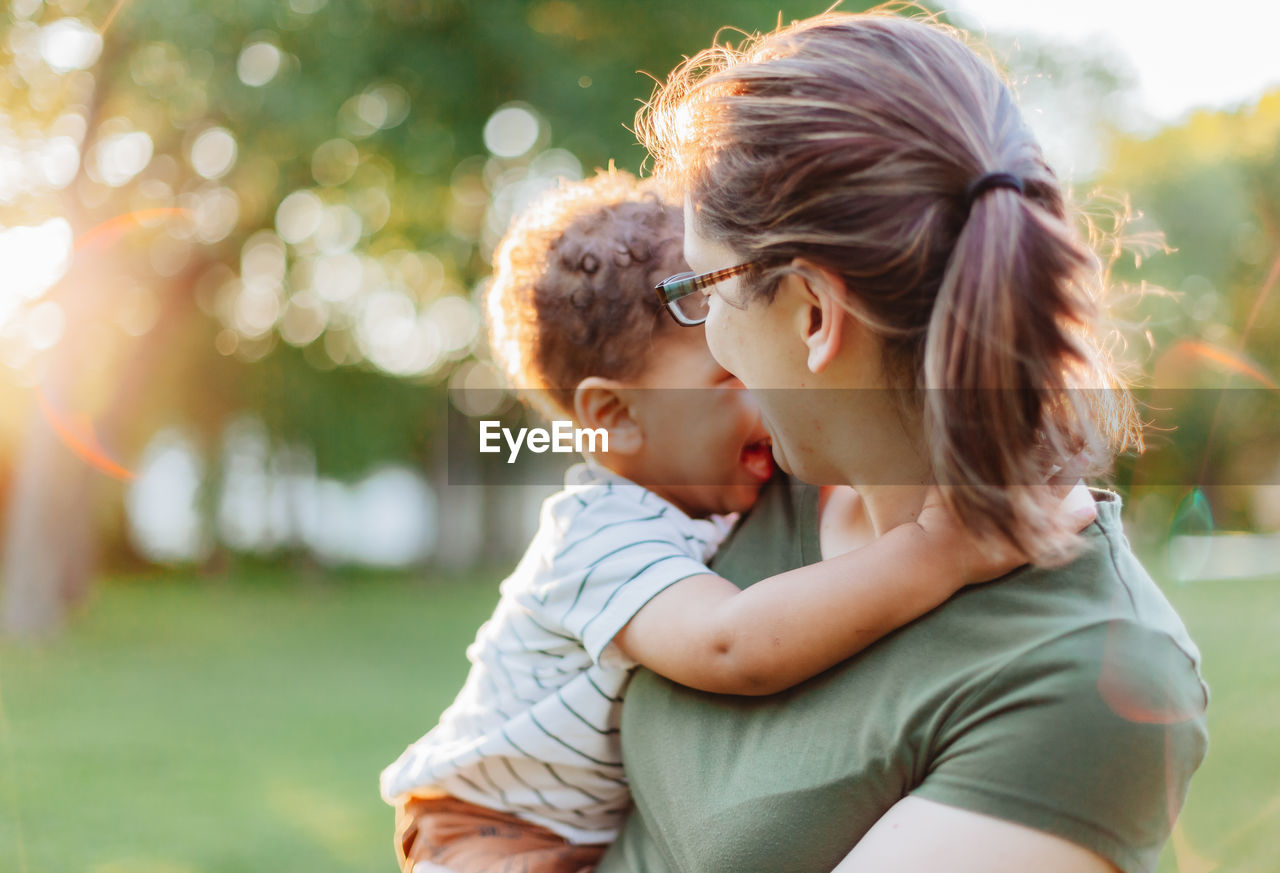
[597,503]
[593,494]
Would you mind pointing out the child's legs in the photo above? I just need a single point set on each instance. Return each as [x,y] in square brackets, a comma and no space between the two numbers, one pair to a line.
[460,837]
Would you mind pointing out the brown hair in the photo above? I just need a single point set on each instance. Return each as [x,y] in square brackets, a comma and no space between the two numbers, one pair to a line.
[573,286]
[850,141]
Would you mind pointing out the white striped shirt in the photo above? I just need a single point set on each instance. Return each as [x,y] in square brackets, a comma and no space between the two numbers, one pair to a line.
[534,730]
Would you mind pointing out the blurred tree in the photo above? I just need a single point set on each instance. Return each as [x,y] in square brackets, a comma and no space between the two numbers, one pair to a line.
[1212,185]
[278,207]
[1076,97]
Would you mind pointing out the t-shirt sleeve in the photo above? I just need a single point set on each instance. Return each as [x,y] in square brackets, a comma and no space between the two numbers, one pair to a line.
[1093,737]
[618,554]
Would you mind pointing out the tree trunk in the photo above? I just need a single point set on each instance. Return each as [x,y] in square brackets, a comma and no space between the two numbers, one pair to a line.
[48,545]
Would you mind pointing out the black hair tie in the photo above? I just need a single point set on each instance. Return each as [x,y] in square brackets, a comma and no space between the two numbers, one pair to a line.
[983,184]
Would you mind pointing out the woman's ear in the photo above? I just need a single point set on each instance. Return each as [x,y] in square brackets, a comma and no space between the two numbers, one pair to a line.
[604,403]
[823,314]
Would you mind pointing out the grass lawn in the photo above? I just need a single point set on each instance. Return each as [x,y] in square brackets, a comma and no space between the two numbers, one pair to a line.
[1231,822]
[189,725]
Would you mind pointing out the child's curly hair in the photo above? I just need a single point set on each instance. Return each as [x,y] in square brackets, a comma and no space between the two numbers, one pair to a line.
[573,286]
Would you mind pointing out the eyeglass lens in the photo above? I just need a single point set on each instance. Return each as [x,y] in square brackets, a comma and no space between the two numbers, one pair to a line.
[694,307]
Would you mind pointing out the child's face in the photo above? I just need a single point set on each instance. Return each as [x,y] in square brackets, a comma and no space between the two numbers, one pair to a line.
[705,448]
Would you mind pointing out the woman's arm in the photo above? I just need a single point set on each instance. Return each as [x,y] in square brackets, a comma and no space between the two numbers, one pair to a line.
[921,836]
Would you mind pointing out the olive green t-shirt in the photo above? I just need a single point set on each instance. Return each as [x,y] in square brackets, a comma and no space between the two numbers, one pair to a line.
[1068,700]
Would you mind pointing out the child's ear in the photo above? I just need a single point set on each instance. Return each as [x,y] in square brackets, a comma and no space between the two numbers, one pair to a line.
[599,402]
[823,314]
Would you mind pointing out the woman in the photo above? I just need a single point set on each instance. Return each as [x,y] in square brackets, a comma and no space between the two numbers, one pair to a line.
[879,229]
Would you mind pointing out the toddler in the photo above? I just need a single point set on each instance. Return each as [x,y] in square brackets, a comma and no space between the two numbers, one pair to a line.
[524,770]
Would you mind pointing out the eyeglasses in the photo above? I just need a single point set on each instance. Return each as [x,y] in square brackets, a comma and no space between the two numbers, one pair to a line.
[684,294]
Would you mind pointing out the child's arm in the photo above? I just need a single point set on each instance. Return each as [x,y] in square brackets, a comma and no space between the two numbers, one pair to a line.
[706,633]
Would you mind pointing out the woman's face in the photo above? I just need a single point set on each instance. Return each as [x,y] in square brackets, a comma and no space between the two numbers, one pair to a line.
[825,407]
[754,343]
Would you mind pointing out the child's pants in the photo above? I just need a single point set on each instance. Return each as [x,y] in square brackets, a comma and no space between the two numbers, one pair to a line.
[447,835]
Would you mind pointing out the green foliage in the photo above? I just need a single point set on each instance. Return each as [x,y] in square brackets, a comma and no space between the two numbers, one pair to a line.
[352,418]
[172,71]
[1210,185]
[419,178]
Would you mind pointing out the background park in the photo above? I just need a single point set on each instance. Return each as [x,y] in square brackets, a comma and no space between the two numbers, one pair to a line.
[240,248]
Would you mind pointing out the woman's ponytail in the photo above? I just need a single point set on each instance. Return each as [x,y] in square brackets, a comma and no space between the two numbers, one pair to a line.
[1005,339]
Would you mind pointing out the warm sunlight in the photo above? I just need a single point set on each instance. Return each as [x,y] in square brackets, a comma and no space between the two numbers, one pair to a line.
[1184,56]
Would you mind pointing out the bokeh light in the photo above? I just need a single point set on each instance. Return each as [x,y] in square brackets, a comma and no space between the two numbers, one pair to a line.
[25,8]
[270,497]
[164,501]
[388,519]
[378,107]
[421,271]
[336,277]
[477,389]
[374,207]
[512,131]
[257,307]
[263,257]
[214,212]
[334,162]
[213,153]
[393,337]
[58,159]
[258,64]
[298,216]
[305,318]
[69,44]
[119,157]
[339,230]
[34,259]
[513,188]
[458,323]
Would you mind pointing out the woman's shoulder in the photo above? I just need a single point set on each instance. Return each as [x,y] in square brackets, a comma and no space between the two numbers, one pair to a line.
[1096,629]
[1105,586]
[1052,682]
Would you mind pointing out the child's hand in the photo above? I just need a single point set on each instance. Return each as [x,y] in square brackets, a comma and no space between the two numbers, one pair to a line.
[982,559]
[978,559]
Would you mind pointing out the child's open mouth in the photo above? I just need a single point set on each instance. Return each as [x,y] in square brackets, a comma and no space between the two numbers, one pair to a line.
[757,458]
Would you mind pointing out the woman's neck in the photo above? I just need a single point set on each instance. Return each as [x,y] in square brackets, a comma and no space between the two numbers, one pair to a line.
[883,458]
[888,506]
[850,519]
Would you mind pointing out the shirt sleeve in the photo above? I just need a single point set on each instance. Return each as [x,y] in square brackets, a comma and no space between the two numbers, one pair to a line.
[1093,737]
[618,553]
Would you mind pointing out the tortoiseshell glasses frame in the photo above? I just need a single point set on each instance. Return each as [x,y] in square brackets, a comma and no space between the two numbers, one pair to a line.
[684,295]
